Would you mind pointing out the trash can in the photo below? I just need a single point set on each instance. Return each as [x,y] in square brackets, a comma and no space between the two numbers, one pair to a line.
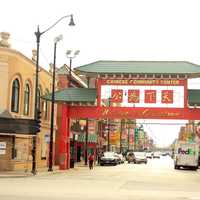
[71,163]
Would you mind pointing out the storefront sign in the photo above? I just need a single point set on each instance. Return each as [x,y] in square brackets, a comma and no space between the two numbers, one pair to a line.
[47,138]
[143,93]
[142,82]
[2,148]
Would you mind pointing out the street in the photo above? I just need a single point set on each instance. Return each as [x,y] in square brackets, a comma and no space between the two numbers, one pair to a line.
[155,180]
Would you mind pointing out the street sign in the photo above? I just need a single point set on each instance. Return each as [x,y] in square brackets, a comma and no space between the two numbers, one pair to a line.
[47,138]
[2,148]
[2,145]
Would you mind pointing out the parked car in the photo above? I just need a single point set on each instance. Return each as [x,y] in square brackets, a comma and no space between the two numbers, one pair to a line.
[130,157]
[149,155]
[122,159]
[165,153]
[109,158]
[140,157]
[117,156]
[156,154]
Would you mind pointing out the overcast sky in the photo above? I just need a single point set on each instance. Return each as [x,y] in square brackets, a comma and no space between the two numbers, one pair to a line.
[108,30]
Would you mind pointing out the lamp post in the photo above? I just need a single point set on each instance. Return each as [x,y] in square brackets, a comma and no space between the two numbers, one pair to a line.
[86,134]
[71,55]
[86,142]
[38,34]
[57,39]
[108,124]
[120,137]
[128,137]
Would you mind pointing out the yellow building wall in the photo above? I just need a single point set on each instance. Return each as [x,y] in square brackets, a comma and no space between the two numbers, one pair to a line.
[13,65]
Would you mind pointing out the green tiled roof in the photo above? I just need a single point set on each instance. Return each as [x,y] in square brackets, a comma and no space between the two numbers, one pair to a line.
[92,138]
[62,70]
[74,95]
[194,97]
[134,67]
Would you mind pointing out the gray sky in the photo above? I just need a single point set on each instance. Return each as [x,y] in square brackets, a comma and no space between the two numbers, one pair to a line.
[108,30]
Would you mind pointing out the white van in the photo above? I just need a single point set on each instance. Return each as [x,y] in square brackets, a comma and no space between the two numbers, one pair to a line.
[186,155]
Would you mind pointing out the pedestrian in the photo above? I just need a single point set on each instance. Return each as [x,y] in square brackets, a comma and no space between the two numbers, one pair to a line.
[91,160]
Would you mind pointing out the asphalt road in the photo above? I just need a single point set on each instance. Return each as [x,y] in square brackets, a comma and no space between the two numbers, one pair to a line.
[156,180]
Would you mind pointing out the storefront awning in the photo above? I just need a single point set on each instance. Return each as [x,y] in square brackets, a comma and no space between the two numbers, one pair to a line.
[92,138]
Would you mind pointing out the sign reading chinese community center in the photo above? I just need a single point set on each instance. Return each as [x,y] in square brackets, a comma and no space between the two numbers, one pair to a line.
[162,93]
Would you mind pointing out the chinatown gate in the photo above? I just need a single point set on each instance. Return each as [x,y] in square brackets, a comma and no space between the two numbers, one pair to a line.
[129,90]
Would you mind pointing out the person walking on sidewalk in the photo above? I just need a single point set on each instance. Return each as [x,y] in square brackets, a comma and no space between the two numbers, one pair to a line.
[91,160]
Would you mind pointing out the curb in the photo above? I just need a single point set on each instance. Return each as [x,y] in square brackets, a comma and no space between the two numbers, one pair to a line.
[40,172]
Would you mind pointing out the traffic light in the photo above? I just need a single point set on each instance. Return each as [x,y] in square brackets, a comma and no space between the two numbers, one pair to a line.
[38,121]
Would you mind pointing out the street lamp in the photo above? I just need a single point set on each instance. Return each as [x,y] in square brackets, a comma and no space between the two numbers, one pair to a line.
[120,138]
[57,39]
[86,142]
[108,124]
[128,136]
[71,55]
[38,35]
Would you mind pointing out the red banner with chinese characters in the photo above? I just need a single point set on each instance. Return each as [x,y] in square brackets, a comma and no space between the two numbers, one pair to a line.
[133,96]
[116,96]
[150,96]
[162,93]
[167,96]
[133,113]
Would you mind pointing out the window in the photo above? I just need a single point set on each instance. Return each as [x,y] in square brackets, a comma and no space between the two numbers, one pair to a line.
[26,99]
[46,107]
[15,96]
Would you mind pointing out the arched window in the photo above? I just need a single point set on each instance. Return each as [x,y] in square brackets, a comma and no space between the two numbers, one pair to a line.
[46,107]
[26,99]
[15,96]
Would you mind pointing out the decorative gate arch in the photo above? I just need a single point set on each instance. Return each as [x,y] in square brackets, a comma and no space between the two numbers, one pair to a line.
[130,90]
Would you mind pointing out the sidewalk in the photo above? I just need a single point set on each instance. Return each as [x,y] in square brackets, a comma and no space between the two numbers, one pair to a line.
[40,171]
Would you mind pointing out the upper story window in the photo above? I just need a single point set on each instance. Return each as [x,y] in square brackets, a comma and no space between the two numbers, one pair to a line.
[26,99]
[15,96]
[46,107]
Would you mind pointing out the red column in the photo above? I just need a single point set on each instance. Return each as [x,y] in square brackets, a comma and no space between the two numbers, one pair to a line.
[64,145]
[68,139]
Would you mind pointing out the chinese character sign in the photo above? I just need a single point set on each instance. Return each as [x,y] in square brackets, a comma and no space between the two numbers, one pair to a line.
[116,96]
[150,96]
[143,93]
[133,96]
[167,96]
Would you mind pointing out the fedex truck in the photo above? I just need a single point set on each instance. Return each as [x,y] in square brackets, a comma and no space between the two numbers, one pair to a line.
[186,155]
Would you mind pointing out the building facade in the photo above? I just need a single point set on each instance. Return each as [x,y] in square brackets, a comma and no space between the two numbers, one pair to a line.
[17,95]
[75,146]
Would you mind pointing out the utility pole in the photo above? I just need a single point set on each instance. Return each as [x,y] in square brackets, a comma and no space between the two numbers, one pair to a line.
[120,142]
[86,143]
[108,125]
[128,137]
